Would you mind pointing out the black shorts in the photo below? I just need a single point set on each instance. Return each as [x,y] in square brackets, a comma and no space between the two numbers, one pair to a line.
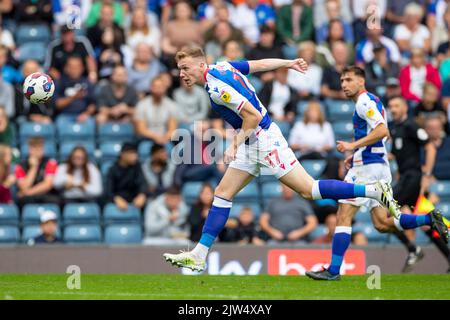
[407,190]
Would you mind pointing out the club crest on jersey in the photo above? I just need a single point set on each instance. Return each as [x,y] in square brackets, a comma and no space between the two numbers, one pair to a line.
[370,113]
[225,96]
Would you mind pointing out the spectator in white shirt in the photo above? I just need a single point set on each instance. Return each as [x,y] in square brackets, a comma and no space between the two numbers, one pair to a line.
[141,32]
[413,34]
[306,84]
[312,137]
[78,179]
[155,116]
[192,103]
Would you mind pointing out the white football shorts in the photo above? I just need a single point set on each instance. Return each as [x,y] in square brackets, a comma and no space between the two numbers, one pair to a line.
[269,151]
[367,174]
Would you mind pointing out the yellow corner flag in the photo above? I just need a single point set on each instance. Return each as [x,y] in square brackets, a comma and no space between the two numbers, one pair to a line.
[423,206]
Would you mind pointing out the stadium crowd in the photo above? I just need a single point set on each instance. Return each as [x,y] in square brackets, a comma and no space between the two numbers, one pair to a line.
[98,155]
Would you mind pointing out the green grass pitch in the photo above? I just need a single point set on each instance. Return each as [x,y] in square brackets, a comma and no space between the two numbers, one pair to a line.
[176,287]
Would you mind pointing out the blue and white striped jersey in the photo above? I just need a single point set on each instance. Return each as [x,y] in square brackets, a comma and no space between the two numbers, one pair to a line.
[229,90]
[369,113]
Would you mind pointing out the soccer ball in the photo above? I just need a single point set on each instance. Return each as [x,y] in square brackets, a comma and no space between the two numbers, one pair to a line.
[38,87]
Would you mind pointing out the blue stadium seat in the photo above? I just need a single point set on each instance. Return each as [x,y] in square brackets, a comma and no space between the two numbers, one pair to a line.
[442,189]
[104,168]
[373,236]
[115,132]
[31,212]
[388,145]
[289,52]
[9,234]
[144,149]
[250,193]
[265,176]
[314,167]
[78,33]
[30,232]
[445,209]
[186,126]
[110,151]
[30,129]
[32,33]
[112,214]
[9,215]
[271,190]
[82,234]
[81,213]
[75,131]
[256,83]
[422,238]
[301,108]
[236,209]
[33,231]
[49,149]
[321,230]
[123,234]
[394,167]
[15,137]
[285,128]
[363,215]
[34,50]
[339,110]
[343,130]
[66,148]
[191,190]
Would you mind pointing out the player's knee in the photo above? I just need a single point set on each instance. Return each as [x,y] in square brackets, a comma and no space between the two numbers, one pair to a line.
[221,192]
[381,227]
[306,194]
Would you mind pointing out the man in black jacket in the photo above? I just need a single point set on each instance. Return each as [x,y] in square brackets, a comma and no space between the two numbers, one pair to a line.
[126,183]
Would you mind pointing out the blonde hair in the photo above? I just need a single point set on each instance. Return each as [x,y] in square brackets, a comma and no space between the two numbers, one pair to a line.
[414,9]
[314,105]
[192,51]
[133,27]
[305,45]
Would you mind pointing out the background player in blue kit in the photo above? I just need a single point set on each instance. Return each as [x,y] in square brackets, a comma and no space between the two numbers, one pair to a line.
[259,143]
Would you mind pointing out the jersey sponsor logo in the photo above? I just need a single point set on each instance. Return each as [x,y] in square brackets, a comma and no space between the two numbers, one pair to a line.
[377,150]
[225,96]
[370,113]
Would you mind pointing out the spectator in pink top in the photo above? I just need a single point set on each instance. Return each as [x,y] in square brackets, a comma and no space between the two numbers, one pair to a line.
[414,76]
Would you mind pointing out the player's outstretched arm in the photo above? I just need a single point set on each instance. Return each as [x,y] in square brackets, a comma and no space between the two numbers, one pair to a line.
[263,65]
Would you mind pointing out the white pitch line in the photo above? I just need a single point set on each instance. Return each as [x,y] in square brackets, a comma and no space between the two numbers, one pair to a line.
[125,294]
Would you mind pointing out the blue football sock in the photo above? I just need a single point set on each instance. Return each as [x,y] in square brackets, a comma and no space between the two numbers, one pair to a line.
[217,217]
[341,241]
[336,190]
[410,221]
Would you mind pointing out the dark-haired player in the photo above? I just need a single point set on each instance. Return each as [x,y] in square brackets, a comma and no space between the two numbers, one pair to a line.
[368,165]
